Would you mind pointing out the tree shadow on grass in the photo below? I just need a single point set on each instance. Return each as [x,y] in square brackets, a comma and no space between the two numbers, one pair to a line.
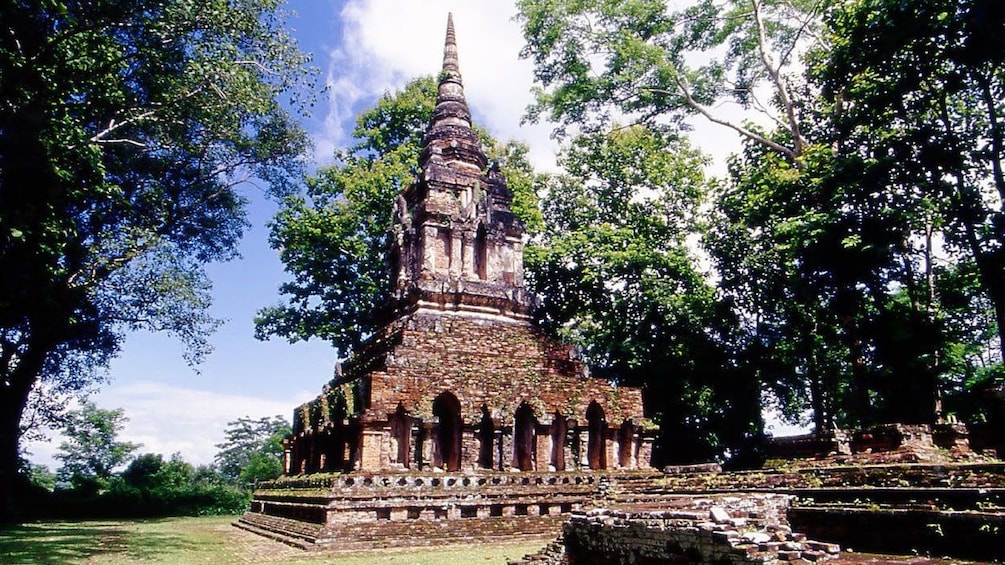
[64,542]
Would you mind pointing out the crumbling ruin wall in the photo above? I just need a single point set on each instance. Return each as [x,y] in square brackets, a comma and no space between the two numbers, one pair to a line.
[738,530]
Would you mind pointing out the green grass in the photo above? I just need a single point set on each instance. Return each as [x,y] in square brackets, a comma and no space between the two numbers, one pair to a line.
[209,540]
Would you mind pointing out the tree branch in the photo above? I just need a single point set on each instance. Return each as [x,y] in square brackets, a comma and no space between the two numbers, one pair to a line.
[776,78]
[737,128]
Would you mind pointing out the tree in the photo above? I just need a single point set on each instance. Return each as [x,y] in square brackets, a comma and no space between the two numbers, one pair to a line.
[125,129]
[924,84]
[617,278]
[267,462]
[252,444]
[815,259]
[92,449]
[334,241]
[825,236]
[39,476]
[153,486]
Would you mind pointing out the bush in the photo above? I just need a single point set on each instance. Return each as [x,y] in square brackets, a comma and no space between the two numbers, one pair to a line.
[149,487]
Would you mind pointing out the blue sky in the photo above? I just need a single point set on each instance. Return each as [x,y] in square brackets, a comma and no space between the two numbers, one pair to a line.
[362,49]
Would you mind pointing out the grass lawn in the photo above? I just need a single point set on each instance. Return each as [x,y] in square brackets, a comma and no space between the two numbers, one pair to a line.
[210,540]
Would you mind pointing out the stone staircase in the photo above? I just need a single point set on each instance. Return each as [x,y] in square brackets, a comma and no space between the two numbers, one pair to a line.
[289,531]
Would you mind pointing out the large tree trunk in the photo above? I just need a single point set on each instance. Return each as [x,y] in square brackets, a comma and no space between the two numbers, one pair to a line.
[994,282]
[18,382]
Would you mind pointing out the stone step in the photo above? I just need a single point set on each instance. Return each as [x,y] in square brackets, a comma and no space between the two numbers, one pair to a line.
[429,532]
[961,534]
[304,532]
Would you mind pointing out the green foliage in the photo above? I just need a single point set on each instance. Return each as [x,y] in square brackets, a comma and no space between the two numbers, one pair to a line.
[126,128]
[252,449]
[334,240]
[926,88]
[598,59]
[617,278]
[151,486]
[39,476]
[92,450]
[910,113]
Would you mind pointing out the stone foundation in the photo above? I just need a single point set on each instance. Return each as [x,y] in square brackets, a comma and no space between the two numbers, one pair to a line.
[359,510]
[720,529]
[954,510]
[957,439]
[970,534]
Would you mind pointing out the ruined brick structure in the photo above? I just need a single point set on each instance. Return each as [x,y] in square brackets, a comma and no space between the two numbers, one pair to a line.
[460,379]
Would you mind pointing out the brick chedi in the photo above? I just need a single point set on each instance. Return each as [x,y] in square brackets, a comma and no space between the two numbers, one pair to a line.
[461,379]
[459,408]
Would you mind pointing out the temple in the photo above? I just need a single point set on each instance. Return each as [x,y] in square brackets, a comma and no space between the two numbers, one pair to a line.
[458,409]
[461,379]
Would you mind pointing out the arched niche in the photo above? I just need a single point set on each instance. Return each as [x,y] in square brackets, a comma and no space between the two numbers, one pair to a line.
[401,436]
[486,439]
[523,437]
[596,448]
[626,441]
[559,428]
[447,436]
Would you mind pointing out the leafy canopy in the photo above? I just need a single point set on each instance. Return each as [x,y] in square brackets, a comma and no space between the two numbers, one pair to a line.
[126,128]
[617,278]
[252,449]
[642,59]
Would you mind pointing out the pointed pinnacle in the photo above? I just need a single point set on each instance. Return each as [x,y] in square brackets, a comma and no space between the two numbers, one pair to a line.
[450,47]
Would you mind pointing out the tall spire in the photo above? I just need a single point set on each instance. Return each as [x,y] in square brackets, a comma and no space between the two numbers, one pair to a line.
[450,47]
[450,140]
[458,244]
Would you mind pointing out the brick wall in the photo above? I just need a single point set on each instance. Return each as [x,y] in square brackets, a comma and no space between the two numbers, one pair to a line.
[490,361]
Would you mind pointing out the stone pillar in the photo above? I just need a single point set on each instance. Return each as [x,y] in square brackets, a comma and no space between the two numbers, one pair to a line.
[426,457]
[517,258]
[506,451]
[470,448]
[468,256]
[615,450]
[493,266]
[644,459]
[429,249]
[612,448]
[542,448]
[584,440]
[456,259]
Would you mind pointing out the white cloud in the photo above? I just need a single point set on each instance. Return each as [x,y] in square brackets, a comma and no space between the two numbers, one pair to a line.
[388,42]
[168,419]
